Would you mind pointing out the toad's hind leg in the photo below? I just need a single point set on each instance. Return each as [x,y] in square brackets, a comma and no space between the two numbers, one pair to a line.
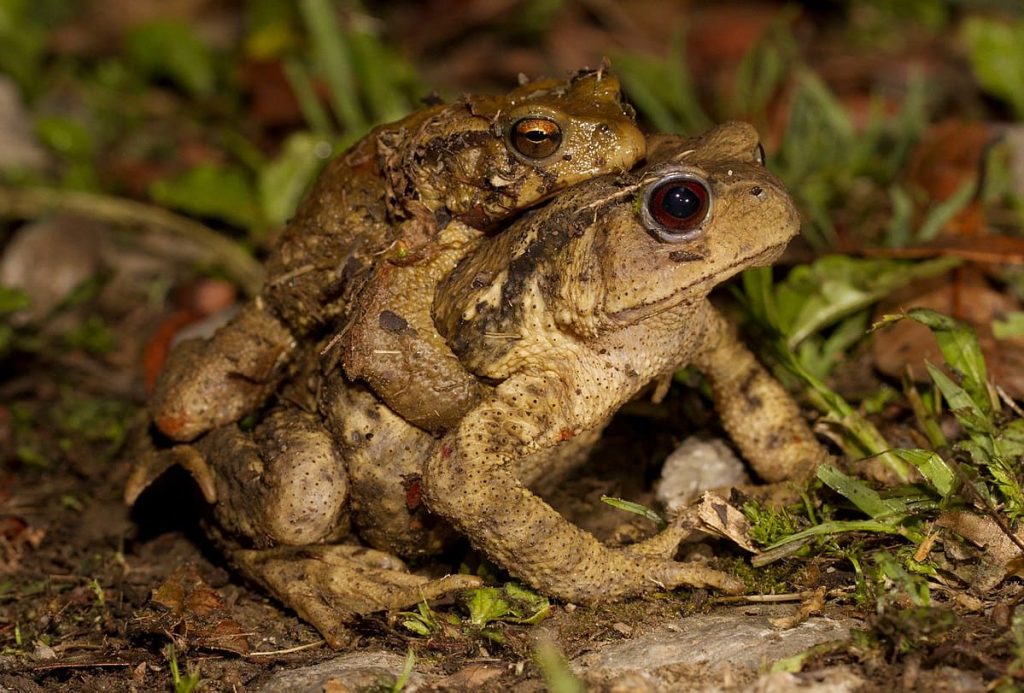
[283,490]
[326,584]
[330,585]
[283,483]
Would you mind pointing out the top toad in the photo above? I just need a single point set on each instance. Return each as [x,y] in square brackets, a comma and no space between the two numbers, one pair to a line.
[477,160]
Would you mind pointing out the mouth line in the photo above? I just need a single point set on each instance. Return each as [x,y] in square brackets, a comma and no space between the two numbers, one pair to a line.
[677,297]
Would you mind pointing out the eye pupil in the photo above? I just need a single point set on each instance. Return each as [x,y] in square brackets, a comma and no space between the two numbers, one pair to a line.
[536,136]
[681,202]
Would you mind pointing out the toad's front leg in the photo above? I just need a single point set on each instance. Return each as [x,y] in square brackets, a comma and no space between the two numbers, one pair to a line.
[473,480]
[215,382]
[758,413]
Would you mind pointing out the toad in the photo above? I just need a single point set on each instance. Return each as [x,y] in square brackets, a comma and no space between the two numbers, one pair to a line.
[572,311]
[379,207]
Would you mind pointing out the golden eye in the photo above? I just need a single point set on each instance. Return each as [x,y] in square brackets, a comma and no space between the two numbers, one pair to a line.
[536,138]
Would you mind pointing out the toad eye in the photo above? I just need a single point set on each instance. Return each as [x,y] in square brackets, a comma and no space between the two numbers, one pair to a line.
[675,208]
[536,138]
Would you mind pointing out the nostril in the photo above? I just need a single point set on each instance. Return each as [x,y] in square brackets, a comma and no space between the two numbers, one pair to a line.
[757,191]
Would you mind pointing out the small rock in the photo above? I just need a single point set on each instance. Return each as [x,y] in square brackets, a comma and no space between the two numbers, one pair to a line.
[19,149]
[632,682]
[946,678]
[48,259]
[622,629]
[697,465]
[832,680]
[471,677]
[43,652]
[351,672]
[731,641]
[205,328]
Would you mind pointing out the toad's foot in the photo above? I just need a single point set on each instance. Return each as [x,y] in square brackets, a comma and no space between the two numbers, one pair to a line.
[669,574]
[329,585]
[152,463]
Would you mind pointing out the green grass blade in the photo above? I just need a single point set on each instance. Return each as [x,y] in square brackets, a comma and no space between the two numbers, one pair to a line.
[555,669]
[867,500]
[843,526]
[333,59]
[302,86]
[932,466]
[975,421]
[635,508]
[962,351]
[941,214]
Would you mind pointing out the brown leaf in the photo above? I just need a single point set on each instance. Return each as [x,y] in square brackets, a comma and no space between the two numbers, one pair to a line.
[99,29]
[968,296]
[195,611]
[950,154]
[814,604]
[16,538]
[995,249]
[1002,557]
[272,101]
[718,517]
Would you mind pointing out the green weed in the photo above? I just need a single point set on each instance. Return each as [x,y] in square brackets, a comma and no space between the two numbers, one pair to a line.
[555,669]
[485,606]
[183,683]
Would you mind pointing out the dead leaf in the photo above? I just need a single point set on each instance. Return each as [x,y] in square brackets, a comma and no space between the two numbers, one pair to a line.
[969,296]
[98,29]
[813,604]
[48,259]
[950,154]
[1002,557]
[996,249]
[195,611]
[272,101]
[17,537]
[717,517]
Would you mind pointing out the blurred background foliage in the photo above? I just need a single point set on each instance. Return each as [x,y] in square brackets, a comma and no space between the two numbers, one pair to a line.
[895,125]
[225,110]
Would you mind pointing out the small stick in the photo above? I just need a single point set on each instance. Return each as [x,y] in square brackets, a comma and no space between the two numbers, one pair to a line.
[290,650]
[34,202]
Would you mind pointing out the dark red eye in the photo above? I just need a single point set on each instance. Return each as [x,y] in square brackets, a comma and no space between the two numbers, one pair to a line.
[677,206]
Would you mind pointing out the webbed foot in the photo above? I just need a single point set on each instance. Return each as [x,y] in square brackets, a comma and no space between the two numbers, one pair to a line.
[329,585]
[151,464]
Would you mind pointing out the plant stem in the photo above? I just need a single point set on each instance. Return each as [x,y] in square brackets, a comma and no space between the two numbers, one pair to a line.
[34,202]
